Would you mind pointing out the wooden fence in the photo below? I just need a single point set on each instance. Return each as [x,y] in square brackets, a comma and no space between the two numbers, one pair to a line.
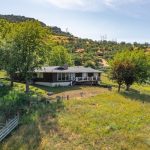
[7,128]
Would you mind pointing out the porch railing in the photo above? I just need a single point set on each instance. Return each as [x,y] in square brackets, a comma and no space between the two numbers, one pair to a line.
[87,78]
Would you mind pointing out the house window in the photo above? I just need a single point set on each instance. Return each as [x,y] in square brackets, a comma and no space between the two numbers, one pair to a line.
[59,76]
[90,74]
[67,76]
[40,75]
[63,76]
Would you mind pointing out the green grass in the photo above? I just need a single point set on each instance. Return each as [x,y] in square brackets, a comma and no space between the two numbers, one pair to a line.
[3,74]
[14,99]
[20,87]
[109,121]
[57,89]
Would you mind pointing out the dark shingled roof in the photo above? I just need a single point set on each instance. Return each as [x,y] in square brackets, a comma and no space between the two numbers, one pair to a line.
[74,69]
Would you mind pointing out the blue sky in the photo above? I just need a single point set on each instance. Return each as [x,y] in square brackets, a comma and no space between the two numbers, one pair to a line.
[121,20]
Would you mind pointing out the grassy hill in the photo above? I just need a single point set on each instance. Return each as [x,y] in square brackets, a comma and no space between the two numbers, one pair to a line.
[106,121]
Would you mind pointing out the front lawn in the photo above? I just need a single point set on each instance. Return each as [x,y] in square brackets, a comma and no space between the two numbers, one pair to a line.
[108,121]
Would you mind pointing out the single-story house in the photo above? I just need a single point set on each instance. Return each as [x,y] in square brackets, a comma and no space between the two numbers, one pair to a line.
[65,76]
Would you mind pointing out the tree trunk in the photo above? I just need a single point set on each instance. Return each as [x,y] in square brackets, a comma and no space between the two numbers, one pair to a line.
[119,87]
[127,87]
[11,81]
[27,86]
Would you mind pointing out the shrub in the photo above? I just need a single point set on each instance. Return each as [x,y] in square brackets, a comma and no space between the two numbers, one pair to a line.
[12,103]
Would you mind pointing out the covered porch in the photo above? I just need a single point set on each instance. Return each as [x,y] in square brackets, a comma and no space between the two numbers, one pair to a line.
[81,79]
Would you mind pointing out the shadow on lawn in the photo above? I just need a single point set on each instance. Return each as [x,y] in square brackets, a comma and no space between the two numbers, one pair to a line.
[5,90]
[136,95]
[57,90]
[38,125]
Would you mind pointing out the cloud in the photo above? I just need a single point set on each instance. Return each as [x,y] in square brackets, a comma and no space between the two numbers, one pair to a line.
[90,5]
[120,2]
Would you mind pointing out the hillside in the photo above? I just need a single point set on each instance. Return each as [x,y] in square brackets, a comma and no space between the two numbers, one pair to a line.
[14,18]
[84,51]
[113,121]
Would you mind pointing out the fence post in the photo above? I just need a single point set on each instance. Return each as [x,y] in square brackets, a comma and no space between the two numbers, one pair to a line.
[67,97]
[58,99]
[81,94]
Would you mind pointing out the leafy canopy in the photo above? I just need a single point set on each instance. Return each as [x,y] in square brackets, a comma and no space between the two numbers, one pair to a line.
[60,56]
[129,67]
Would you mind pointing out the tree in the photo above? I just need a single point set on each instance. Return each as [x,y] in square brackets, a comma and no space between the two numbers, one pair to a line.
[130,66]
[30,48]
[117,71]
[3,32]
[129,74]
[8,58]
[9,62]
[60,56]
[90,63]
[139,68]
[77,60]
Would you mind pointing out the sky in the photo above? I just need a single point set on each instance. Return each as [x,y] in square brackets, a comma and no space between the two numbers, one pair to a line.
[119,20]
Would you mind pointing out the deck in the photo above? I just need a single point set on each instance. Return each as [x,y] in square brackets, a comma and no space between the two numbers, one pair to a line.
[86,79]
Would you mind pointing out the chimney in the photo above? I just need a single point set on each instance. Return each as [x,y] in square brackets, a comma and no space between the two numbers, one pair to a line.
[65,66]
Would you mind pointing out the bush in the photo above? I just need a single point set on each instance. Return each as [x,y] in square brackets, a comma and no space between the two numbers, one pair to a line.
[12,103]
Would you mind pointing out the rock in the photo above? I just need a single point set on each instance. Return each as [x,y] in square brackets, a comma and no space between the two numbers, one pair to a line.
[50,93]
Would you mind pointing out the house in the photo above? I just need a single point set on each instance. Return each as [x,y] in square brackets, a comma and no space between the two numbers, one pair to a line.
[66,76]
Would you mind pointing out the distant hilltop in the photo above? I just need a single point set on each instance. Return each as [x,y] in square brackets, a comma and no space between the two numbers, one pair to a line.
[15,18]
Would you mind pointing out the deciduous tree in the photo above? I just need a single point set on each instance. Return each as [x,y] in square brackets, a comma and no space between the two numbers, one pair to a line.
[130,66]
[60,56]
[29,45]
[8,59]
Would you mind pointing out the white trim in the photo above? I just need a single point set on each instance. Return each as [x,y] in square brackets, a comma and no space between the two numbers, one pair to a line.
[55,84]
[61,76]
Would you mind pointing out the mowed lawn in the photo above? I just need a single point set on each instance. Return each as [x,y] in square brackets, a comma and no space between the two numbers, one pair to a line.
[108,121]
